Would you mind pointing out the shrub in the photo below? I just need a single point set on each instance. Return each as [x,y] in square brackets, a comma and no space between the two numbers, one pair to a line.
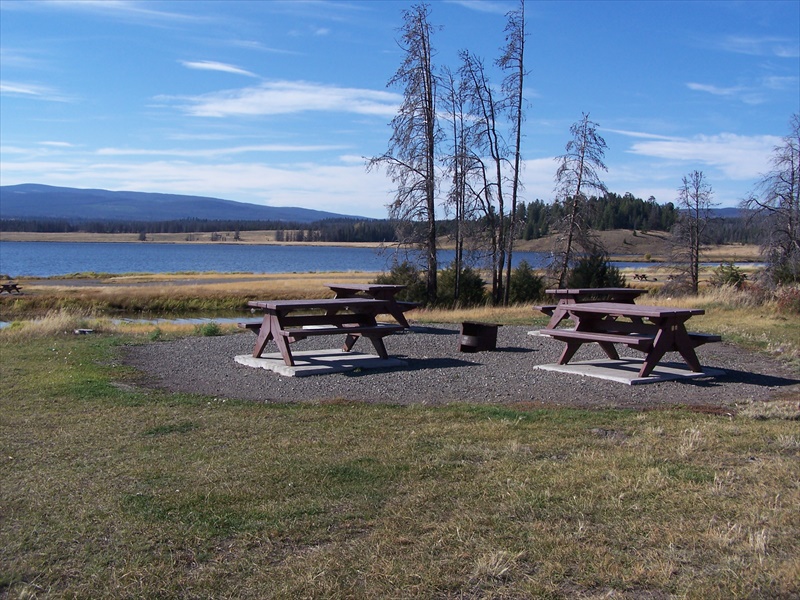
[406,274]
[595,271]
[471,288]
[787,298]
[208,329]
[785,272]
[526,285]
[728,274]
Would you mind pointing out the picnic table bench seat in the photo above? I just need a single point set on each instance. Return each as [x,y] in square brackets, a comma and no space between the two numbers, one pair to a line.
[632,339]
[296,334]
[546,309]
[640,341]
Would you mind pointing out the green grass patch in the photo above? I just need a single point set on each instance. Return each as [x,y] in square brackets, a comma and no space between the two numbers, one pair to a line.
[112,491]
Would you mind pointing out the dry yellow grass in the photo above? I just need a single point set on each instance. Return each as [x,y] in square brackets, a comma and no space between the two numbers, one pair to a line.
[114,491]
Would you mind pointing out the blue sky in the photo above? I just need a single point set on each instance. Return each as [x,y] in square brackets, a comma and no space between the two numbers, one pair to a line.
[279,102]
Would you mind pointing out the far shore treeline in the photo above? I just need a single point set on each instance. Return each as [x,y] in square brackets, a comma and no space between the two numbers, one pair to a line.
[608,212]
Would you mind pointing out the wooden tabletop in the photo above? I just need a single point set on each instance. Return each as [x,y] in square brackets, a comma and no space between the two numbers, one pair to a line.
[365,287]
[607,291]
[632,310]
[323,303]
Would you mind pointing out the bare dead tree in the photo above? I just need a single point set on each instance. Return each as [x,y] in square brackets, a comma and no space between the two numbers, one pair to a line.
[513,61]
[457,165]
[411,158]
[486,140]
[688,235]
[776,198]
[576,175]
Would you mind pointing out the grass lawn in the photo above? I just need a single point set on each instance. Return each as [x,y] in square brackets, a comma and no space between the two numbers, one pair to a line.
[113,491]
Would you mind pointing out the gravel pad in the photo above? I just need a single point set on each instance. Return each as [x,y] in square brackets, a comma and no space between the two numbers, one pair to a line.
[437,373]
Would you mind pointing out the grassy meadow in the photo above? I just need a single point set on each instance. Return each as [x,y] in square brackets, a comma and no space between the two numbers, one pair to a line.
[114,490]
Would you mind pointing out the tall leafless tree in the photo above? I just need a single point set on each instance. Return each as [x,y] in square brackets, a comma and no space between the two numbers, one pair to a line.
[486,140]
[688,235]
[411,158]
[577,174]
[513,62]
[457,164]
[777,199]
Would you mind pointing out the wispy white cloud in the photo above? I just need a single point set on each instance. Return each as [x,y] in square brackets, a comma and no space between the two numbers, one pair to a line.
[776,82]
[486,6]
[123,9]
[287,97]
[55,144]
[739,157]
[31,90]
[761,46]
[217,152]
[254,45]
[713,89]
[637,134]
[210,65]
[757,93]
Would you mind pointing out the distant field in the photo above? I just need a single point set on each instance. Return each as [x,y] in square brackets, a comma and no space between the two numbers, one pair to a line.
[225,237]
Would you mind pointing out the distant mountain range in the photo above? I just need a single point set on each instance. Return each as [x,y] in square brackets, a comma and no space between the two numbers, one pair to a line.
[35,201]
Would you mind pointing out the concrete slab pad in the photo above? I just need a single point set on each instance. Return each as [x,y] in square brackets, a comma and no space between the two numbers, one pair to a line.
[626,370]
[319,362]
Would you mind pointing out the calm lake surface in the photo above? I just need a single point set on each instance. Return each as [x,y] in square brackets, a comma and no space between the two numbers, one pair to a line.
[46,259]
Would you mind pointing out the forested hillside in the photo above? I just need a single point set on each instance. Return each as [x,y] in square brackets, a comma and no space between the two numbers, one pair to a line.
[534,220]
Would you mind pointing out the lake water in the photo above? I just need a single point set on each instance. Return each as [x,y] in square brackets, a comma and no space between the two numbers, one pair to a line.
[46,259]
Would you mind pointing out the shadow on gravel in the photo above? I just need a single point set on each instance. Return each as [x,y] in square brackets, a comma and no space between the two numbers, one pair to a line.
[747,377]
[432,330]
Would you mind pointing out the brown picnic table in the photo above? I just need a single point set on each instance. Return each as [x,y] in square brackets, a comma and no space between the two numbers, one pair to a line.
[654,330]
[287,321]
[378,291]
[11,288]
[566,296]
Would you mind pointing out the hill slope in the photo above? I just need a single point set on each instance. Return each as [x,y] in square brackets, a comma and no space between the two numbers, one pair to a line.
[32,200]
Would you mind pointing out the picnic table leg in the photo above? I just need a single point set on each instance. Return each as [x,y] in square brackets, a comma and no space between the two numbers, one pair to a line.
[397,313]
[380,347]
[559,314]
[569,351]
[685,346]
[610,350]
[349,342]
[671,336]
[265,334]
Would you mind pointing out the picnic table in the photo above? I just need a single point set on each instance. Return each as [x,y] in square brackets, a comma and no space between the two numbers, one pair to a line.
[287,321]
[566,296]
[378,291]
[654,330]
[11,288]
